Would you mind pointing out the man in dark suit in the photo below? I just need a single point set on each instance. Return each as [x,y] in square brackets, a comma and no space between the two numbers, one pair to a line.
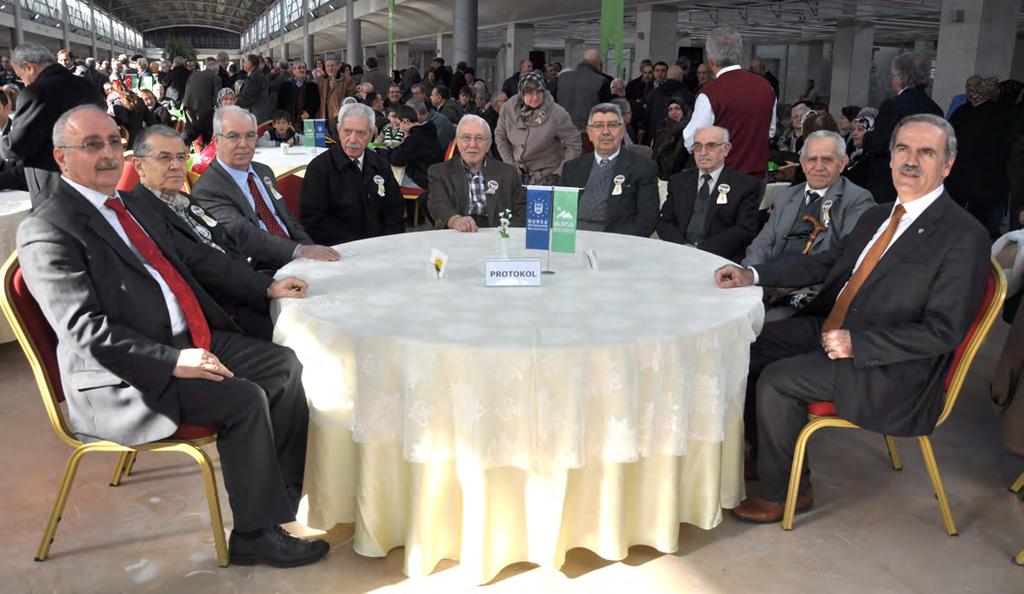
[255,92]
[583,88]
[143,345]
[471,191]
[899,294]
[420,149]
[242,196]
[620,188]
[348,192]
[174,82]
[712,207]
[159,159]
[51,91]
[908,76]
[300,96]
[201,91]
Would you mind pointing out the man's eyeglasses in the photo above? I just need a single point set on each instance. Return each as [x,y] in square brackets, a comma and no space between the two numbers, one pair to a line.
[165,159]
[606,125]
[96,145]
[710,146]
[466,139]
[236,137]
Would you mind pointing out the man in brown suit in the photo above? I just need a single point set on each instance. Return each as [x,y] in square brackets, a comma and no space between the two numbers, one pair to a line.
[334,87]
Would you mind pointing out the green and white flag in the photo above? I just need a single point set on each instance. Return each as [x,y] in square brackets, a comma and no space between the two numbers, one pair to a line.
[563,220]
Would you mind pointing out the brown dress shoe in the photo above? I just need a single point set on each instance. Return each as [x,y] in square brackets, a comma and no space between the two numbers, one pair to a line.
[758,510]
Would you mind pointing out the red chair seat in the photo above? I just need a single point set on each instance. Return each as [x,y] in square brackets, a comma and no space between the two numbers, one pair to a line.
[129,177]
[193,432]
[822,409]
[290,187]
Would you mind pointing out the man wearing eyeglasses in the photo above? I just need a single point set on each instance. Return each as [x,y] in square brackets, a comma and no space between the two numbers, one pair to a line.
[144,347]
[712,207]
[242,195]
[471,191]
[620,188]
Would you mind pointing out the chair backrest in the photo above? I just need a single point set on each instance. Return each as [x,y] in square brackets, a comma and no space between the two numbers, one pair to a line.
[37,341]
[451,151]
[991,305]
[264,127]
[289,184]
[129,177]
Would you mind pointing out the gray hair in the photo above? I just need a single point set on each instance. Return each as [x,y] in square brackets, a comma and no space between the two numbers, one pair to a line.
[605,108]
[473,119]
[142,62]
[178,61]
[144,141]
[622,104]
[724,46]
[212,65]
[358,110]
[419,106]
[484,94]
[90,62]
[833,136]
[221,112]
[61,126]
[222,56]
[927,118]
[724,133]
[31,53]
[910,69]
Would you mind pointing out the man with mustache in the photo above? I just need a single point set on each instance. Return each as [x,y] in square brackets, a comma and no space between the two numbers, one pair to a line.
[243,196]
[712,207]
[620,188]
[471,191]
[143,347]
[898,295]
[349,193]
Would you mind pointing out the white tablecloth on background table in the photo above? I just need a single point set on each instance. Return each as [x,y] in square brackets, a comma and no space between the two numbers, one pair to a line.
[14,207]
[499,425]
[297,157]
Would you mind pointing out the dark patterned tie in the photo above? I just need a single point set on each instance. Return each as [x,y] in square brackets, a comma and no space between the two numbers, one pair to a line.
[262,210]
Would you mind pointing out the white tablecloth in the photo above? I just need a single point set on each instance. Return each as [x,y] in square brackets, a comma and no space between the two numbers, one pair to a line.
[14,207]
[466,390]
[281,163]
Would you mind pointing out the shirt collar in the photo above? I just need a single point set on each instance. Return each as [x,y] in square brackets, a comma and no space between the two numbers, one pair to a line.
[819,191]
[915,207]
[469,172]
[94,197]
[239,176]
[728,69]
[612,157]
[717,173]
[167,198]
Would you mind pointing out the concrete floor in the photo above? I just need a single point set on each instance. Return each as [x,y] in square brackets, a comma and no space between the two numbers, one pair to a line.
[872,530]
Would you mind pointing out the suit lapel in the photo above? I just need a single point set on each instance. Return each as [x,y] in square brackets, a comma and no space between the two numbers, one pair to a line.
[102,228]
[235,192]
[713,206]
[922,228]
[688,198]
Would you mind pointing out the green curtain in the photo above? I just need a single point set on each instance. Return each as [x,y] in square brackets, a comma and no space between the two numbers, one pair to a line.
[612,16]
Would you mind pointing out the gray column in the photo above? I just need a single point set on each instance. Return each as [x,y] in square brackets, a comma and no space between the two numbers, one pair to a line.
[804,63]
[975,37]
[18,34]
[518,42]
[284,44]
[65,18]
[655,34]
[307,41]
[464,15]
[92,26]
[354,30]
[573,53]
[851,65]
[401,55]
[445,48]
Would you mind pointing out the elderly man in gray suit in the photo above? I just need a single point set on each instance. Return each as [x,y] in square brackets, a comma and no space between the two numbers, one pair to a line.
[242,195]
[810,218]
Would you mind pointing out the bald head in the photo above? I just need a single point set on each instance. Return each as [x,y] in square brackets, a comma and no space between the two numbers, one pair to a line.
[591,57]
[757,66]
[675,72]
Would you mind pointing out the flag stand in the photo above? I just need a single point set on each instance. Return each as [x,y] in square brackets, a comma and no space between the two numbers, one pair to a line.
[547,263]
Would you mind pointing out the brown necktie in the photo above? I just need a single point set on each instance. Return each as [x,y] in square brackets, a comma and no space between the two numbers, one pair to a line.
[838,314]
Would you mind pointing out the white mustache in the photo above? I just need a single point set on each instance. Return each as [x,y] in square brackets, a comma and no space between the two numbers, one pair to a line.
[911,170]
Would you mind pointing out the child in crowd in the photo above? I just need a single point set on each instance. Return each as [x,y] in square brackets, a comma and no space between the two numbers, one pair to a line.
[281,132]
[391,136]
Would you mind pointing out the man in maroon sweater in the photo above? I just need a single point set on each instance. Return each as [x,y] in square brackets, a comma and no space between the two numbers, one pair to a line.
[741,102]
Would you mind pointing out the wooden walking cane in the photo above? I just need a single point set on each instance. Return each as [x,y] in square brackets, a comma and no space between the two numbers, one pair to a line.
[818,228]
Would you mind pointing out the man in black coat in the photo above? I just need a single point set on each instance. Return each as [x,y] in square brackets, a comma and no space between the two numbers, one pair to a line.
[712,207]
[419,150]
[672,88]
[174,81]
[899,295]
[583,88]
[143,346]
[908,76]
[51,91]
[299,96]
[255,92]
[348,192]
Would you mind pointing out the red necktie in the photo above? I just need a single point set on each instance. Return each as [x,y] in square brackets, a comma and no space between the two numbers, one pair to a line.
[261,208]
[194,317]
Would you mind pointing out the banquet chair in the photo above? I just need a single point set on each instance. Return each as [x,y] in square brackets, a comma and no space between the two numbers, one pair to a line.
[289,184]
[823,414]
[451,151]
[129,177]
[1017,486]
[262,128]
[39,344]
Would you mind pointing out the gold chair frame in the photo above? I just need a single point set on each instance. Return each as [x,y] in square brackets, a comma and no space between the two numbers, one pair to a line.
[51,401]
[952,393]
[1016,487]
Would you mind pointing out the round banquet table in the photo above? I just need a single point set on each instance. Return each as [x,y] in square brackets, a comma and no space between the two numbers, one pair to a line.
[14,207]
[498,425]
[279,162]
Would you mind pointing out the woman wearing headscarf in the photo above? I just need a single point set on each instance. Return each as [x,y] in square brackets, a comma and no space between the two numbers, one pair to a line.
[978,180]
[668,151]
[863,123]
[536,134]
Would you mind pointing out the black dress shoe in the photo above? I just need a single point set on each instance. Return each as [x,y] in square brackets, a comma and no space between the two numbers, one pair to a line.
[276,548]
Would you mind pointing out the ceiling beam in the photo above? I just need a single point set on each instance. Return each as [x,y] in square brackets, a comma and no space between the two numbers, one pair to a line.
[121,8]
[188,21]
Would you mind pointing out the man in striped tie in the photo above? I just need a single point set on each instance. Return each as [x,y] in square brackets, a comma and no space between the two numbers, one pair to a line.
[899,295]
[143,346]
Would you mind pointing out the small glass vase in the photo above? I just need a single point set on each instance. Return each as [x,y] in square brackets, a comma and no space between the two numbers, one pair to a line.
[504,243]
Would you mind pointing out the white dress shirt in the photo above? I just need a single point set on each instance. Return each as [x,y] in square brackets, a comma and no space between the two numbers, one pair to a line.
[611,157]
[704,116]
[97,199]
[714,178]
